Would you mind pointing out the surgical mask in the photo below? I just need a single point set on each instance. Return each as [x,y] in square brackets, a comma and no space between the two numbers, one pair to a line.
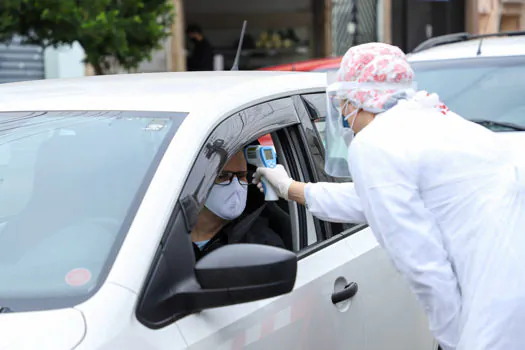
[228,201]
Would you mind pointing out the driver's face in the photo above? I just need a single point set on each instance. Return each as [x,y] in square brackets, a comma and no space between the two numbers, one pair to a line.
[237,165]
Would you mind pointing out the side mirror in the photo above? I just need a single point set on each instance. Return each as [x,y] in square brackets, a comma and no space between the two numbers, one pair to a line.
[246,272]
[239,273]
[230,275]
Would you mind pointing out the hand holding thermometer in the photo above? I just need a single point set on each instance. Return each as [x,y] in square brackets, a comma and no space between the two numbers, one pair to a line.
[263,157]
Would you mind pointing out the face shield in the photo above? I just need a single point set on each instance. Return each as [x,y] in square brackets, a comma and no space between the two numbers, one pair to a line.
[371,97]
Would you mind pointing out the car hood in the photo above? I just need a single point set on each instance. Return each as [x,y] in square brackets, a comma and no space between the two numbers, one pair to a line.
[57,330]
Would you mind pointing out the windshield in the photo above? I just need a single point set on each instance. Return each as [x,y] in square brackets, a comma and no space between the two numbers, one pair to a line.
[70,183]
[487,89]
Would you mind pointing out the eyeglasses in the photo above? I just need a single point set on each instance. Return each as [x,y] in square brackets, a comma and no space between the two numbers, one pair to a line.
[225,177]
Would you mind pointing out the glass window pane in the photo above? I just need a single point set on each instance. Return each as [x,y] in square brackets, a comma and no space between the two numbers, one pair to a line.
[68,181]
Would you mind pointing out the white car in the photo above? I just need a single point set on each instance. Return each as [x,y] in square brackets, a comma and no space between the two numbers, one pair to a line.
[479,77]
[103,181]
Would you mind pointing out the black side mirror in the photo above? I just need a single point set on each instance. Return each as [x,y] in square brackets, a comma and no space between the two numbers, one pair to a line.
[233,274]
[240,273]
[247,272]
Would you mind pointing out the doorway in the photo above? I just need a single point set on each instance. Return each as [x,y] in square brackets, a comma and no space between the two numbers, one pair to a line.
[414,21]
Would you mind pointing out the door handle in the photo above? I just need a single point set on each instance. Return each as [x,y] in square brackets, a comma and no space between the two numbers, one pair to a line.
[347,293]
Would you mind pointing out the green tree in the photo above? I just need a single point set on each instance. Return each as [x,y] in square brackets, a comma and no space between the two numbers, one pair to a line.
[121,31]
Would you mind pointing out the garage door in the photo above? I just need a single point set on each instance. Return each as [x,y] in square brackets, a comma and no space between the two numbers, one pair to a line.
[21,62]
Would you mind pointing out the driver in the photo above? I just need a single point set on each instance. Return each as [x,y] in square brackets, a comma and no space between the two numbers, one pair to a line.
[221,222]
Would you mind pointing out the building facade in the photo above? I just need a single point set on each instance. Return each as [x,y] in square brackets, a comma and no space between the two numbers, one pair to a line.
[409,22]
[324,28]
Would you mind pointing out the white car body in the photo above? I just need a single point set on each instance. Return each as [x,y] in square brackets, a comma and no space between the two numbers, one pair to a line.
[497,46]
[383,314]
[489,47]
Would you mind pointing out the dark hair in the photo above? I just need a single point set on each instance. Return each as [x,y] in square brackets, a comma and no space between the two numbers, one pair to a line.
[193,28]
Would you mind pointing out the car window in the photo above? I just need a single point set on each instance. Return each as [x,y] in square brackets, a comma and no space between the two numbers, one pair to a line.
[287,156]
[286,218]
[281,217]
[316,108]
[316,104]
[68,181]
[290,155]
[478,88]
[250,218]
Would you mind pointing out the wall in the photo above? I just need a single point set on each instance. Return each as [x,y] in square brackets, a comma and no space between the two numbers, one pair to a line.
[160,60]
[512,16]
[20,62]
[64,62]
[500,15]
[510,23]
[177,51]
[489,12]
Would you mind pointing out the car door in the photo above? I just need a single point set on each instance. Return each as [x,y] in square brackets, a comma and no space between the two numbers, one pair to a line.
[391,316]
[306,318]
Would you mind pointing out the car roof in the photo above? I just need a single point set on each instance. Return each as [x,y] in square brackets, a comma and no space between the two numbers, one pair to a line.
[491,47]
[169,92]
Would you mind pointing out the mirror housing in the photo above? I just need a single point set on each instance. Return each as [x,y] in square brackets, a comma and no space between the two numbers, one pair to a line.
[233,274]
[247,272]
[239,273]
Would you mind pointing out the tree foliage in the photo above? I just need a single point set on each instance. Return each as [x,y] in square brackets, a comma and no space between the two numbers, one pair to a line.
[122,31]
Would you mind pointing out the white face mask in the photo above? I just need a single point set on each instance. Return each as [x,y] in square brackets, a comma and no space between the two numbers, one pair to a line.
[228,201]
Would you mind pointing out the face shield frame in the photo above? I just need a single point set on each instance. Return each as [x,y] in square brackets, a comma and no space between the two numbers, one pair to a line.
[339,134]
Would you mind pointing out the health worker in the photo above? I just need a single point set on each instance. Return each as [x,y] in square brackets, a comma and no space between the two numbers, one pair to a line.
[441,194]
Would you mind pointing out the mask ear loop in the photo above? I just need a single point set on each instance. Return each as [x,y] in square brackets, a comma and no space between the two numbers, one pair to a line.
[345,118]
[356,115]
[355,112]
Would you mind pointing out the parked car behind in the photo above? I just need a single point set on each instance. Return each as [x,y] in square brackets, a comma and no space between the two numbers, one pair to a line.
[313,65]
[478,76]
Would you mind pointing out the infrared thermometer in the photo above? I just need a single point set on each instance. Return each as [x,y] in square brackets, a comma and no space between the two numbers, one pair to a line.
[263,157]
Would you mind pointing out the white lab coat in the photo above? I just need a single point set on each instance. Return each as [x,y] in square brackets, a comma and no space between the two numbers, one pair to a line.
[447,203]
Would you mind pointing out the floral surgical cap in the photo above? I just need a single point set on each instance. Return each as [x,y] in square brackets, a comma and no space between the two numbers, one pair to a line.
[374,64]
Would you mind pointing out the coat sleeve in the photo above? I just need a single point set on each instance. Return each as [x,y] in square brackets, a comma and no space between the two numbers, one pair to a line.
[334,202]
[408,231]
